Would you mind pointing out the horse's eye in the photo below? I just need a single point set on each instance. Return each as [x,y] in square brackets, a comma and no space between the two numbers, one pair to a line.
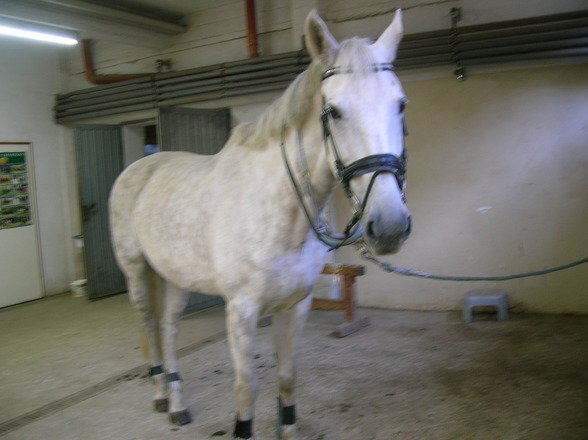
[402,105]
[335,112]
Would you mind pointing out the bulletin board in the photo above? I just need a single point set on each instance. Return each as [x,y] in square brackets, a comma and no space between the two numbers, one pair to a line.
[15,209]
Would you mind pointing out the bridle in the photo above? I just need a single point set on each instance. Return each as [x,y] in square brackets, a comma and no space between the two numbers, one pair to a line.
[376,164]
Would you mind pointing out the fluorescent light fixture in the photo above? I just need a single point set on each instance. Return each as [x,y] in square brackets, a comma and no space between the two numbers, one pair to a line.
[51,36]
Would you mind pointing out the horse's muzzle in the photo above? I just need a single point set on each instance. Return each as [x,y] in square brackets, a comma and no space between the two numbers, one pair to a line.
[383,239]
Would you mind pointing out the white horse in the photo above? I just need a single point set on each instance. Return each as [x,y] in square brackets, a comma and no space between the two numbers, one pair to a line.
[245,223]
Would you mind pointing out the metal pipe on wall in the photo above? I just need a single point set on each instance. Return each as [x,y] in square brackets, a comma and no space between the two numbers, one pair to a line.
[101,79]
[563,35]
[251,29]
[91,76]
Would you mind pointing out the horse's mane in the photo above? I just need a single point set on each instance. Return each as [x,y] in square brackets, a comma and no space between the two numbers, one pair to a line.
[293,107]
[290,109]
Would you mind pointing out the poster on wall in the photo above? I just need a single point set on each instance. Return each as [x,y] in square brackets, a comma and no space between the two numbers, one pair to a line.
[14,190]
[21,271]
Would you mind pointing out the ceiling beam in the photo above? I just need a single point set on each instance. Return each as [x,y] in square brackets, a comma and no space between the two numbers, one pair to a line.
[85,24]
[118,15]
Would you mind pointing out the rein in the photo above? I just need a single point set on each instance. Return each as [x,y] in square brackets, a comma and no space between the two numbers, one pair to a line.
[316,222]
[376,164]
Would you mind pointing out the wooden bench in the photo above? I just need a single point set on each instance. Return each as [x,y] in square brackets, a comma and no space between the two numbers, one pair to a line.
[348,302]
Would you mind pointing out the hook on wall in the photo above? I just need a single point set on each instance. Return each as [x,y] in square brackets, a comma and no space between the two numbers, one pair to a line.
[459,71]
[160,65]
[455,16]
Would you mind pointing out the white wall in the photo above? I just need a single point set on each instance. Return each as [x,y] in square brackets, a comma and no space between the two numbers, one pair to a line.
[498,171]
[29,78]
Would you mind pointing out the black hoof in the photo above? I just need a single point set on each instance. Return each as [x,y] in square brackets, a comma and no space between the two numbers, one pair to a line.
[160,405]
[180,417]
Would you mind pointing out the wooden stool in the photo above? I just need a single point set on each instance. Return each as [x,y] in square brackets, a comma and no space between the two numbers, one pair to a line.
[348,303]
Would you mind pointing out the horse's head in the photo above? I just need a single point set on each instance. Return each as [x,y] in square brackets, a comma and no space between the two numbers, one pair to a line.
[363,121]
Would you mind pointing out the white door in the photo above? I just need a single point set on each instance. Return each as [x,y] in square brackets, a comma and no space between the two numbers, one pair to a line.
[20,262]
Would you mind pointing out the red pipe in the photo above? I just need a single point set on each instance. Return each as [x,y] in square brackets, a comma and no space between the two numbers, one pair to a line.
[251,29]
[101,79]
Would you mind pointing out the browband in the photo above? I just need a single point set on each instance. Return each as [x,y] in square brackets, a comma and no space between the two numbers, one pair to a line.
[337,70]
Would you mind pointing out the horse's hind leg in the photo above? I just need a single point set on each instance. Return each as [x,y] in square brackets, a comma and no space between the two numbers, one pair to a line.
[175,303]
[144,289]
[288,326]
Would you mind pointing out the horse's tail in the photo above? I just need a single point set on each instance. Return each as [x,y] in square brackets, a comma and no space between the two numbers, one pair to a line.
[155,292]
[144,284]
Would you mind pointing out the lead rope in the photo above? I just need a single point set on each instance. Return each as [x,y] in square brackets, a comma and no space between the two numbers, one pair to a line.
[387,267]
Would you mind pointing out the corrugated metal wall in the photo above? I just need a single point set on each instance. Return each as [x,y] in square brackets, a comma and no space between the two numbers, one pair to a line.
[99,161]
[196,130]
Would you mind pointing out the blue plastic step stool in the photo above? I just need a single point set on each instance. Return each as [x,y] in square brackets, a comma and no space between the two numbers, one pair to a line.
[492,298]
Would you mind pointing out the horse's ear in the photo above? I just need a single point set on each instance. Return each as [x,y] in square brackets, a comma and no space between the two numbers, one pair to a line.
[390,39]
[320,43]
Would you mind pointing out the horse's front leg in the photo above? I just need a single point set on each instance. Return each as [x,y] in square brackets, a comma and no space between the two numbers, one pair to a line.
[288,327]
[242,316]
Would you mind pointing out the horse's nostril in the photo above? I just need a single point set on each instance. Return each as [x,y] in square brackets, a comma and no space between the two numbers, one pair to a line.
[408,227]
[396,232]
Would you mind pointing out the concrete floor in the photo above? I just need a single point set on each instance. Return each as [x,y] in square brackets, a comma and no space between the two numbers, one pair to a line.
[70,369]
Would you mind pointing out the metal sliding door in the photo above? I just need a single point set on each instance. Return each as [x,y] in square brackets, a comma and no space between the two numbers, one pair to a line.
[99,161]
[199,131]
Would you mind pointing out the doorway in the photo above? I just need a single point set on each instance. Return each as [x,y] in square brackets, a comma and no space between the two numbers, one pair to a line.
[99,157]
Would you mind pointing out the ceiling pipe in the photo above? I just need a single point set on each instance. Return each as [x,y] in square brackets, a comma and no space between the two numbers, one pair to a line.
[102,79]
[251,29]
[95,10]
